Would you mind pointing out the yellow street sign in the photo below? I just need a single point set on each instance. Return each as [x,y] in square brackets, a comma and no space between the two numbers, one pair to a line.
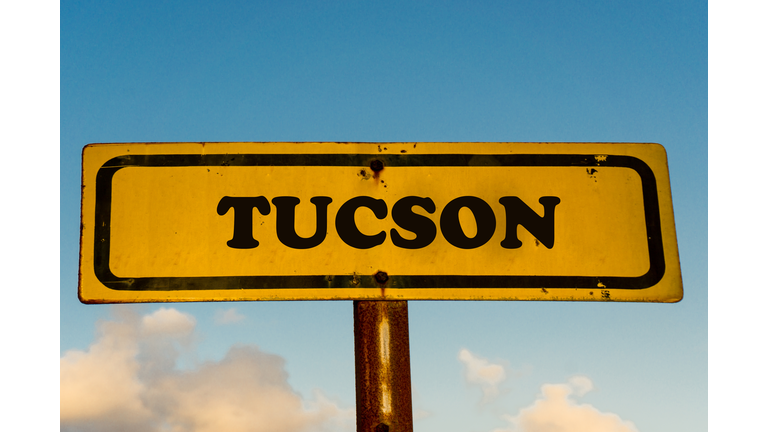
[379,221]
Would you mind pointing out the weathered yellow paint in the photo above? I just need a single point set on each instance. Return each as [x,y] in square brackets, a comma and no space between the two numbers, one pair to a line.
[163,222]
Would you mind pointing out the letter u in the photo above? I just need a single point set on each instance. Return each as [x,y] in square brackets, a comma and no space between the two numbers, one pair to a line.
[286,221]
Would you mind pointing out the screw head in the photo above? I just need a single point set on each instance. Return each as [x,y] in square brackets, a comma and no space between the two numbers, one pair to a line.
[377,165]
[381,277]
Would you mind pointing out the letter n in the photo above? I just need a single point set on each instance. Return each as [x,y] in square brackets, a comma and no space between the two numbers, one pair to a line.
[542,227]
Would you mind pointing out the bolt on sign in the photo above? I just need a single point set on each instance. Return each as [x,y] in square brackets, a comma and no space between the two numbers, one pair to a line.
[171,222]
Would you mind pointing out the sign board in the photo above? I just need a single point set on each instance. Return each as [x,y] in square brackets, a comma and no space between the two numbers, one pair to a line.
[377,221]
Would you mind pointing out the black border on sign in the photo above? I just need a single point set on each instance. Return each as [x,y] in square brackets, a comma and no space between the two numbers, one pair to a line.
[104,203]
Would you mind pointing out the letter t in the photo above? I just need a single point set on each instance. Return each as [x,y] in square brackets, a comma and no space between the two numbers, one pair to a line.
[242,238]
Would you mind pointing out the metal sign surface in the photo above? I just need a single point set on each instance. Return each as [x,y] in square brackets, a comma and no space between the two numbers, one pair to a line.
[393,221]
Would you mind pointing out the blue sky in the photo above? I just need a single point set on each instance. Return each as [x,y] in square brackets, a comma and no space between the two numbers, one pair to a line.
[395,71]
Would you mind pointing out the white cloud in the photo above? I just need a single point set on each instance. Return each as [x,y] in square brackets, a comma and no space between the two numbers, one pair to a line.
[228,316]
[127,381]
[556,411]
[102,382]
[168,322]
[581,385]
[481,372]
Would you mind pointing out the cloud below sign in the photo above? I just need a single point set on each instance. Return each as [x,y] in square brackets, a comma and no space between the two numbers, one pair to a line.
[479,371]
[127,380]
[555,410]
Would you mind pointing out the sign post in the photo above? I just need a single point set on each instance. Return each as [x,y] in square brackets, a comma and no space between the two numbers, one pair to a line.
[379,224]
[382,366]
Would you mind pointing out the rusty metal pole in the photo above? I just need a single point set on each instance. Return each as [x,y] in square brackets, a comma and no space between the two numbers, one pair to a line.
[382,367]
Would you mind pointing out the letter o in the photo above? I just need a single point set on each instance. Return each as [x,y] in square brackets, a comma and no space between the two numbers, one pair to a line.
[451,226]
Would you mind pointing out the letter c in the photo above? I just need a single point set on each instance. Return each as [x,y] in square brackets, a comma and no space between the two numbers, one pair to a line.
[345,222]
